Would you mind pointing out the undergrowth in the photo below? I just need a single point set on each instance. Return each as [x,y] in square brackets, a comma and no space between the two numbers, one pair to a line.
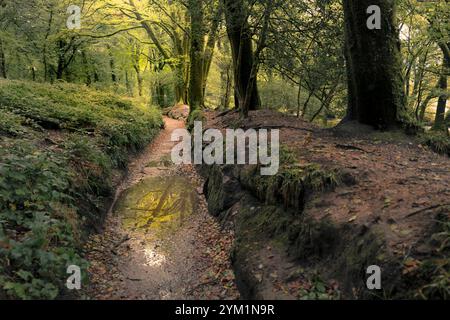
[59,146]
[438,142]
[293,182]
[437,270]
[196,115]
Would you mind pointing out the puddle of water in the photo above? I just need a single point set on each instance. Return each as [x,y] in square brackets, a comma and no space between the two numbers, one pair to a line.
[153,258]
[157,204]
[165,161]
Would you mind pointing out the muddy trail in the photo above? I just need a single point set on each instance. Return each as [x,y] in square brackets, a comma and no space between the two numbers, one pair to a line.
[159,241]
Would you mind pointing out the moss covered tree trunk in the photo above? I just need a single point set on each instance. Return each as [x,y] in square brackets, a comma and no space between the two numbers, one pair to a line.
[61,60]
[242,53]
[158,95]
[375,83]
[181,67]
[195,96]
[211,44]
[2,61]
[439,123]
[87,68]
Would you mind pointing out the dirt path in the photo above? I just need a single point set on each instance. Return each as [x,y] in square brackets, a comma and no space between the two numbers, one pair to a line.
[159,240]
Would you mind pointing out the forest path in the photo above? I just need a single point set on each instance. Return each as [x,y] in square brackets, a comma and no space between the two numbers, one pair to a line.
[159,241]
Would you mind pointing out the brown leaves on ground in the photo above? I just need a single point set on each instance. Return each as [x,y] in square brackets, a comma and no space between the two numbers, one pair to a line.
[213,247]
[392,175]
[196,256]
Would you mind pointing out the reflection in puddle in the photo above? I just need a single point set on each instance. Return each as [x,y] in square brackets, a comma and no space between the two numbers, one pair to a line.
[153,258]
[157,204]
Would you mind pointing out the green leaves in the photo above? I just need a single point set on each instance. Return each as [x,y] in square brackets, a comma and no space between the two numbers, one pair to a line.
[32,289]
[32,183]
[438,142]
[54,182]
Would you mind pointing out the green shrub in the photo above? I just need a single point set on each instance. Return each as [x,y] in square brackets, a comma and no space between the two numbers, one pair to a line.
[292,183]
[438,142]
[436,270]
[58,148]
[195,115]
[38,222]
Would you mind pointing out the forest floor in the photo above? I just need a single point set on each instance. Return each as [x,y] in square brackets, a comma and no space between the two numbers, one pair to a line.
[398,180]
[398,186]
[159,242]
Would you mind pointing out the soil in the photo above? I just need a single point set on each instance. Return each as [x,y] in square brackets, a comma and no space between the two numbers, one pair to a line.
[399,182]
[161,242]
[171,256]
[394,191]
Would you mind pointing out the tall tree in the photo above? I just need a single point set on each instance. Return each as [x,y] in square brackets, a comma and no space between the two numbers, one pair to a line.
[439,22]
[374,71]
[439,123]
[2,61]
[239,33]
[196,12]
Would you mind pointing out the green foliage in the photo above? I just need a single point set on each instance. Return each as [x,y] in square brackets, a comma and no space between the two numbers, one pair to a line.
[276,94]
[118,125]
[318,289]
[196,115]
[54,183]
[312,58]
[38,219]
[11,124]
[438,270]
[293,182]
[438,142]
[287,156]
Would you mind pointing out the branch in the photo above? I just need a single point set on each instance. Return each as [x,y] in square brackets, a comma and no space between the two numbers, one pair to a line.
[426,209]
[111,34]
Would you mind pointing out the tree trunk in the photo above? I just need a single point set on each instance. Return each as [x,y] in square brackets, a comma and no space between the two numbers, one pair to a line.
[61,60]
[422,108]
[96,75]
[33,73]
[226,87]
[2,61]
[136,61]
[180,84]
[196,97]
[112,66]
[419,74]
[44,50]
[246,106]
[86,67]
[242,53]
[210,45]
[140,82]
[299,95]
[326,99]
[375,84]
[305,105]
[439,123]
[160,95]
[128,84]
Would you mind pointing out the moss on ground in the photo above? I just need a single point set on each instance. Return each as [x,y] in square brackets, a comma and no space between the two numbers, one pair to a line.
[432,277]
[270,210]
[437,141]
[291,185]
[195,115]
[59,147]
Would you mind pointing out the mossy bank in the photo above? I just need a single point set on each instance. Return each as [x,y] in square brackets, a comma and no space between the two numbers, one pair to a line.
[62,147]
[281,251]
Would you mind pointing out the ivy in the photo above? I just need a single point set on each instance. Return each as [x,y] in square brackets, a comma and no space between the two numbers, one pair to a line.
[52,190]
